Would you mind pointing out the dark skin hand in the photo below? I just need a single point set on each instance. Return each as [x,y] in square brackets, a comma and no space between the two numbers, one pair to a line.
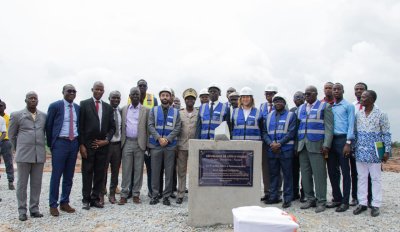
[279,107]
[325,151]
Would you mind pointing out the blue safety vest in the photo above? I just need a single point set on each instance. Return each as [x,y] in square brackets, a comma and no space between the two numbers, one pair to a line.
[164,128]
[276,131]
[312,124]
[246,129]
[208,124]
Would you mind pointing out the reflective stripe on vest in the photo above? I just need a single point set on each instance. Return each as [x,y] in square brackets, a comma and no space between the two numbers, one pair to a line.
[246,129]
[312,124]
[209,124]
[164,128]
[277,132]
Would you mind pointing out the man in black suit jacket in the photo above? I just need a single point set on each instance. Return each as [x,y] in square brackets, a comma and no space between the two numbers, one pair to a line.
[96,129]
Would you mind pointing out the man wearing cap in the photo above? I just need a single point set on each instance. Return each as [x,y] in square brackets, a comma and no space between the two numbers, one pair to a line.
[298,100]
[265,108]
[204,96]
[164,125]
[62,139]
[315,134]
[279,133]
[114,153]
[188,119]
[228,92]
[134,141]
[211,115]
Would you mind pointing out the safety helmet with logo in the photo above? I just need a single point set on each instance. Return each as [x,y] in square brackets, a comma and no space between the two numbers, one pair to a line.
[271,88]
[278,97]
[165,89]
[246,91]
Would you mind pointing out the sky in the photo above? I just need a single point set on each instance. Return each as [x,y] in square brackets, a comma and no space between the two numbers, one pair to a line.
[190,44]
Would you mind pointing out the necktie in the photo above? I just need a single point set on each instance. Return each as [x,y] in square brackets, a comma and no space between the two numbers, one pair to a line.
[71,123]
[360,106]
[116,122]
[97,106]
[212,109]
[270,107]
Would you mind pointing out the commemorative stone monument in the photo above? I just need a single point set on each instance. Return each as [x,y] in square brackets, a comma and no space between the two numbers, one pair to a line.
[222,175]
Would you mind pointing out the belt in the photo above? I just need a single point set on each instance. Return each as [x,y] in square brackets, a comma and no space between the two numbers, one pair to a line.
[132,139]
[67,138]
[115,143]
[340,135]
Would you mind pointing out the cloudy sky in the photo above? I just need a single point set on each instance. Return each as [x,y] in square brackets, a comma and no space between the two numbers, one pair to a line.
[46,44]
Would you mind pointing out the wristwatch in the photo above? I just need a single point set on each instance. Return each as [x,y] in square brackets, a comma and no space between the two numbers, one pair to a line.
[348,141]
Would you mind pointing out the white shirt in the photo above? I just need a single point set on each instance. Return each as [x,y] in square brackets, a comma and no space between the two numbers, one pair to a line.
[117,138]
[246,113]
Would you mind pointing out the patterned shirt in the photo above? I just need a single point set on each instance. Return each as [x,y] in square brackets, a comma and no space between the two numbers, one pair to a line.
[368,130]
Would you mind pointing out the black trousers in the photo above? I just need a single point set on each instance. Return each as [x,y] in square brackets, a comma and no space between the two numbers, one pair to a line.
[296,177]
[93,173]
[114,161]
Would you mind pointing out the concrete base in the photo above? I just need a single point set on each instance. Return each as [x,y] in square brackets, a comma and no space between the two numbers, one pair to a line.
[213,205]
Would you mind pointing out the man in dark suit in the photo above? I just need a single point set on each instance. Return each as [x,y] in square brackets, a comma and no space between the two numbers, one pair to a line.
[62,139]
[96,129]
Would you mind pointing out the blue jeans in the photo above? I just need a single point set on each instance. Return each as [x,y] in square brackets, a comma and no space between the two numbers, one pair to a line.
[8,159]
[64,153]
[284,162]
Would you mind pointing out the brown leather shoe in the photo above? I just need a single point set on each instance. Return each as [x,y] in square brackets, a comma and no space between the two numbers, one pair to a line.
[66,208]
[54,212]
[112,199]
[136,200]
[122,201]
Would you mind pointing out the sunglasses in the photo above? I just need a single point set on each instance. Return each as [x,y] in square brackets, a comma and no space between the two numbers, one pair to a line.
[71,91]
[142,85]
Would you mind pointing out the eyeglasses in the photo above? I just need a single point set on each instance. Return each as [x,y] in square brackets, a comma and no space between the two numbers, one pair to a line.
[71,91]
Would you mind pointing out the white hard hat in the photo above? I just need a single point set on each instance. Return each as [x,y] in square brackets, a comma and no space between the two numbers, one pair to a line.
[203,92]
[214,85]
[246,91]
[276,97]
[271,88]
[165,89]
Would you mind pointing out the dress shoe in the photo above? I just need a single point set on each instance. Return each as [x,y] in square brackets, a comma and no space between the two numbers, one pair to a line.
[154,201]
[11,186]
[265,197]
[286,204]
[36,215]
[86,206]
[359,209]
[342,208]
[332,205]
[54,212]
[320,208]
[136,200]
[353,202]
[112,199]
[271,201]
[179,200]
[308,205]
[101,200]
[303,199]
[67,208]
[97,204]
[375,211]
[166,201]
[122,201]
[23,217]
[173,196]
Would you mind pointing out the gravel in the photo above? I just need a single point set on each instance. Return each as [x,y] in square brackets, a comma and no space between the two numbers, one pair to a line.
[145,217]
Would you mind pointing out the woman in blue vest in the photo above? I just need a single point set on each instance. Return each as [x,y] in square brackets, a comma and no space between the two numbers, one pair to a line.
[278,134]
[246,119]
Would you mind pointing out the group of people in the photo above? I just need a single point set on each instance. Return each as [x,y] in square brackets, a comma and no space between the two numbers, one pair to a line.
[317,137]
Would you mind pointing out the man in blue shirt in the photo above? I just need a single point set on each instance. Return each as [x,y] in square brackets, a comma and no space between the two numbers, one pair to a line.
[339,155]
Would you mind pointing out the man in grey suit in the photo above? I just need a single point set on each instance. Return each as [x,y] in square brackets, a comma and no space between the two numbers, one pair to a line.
[314,141]
[164,125]
[26,132]
[134,138]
